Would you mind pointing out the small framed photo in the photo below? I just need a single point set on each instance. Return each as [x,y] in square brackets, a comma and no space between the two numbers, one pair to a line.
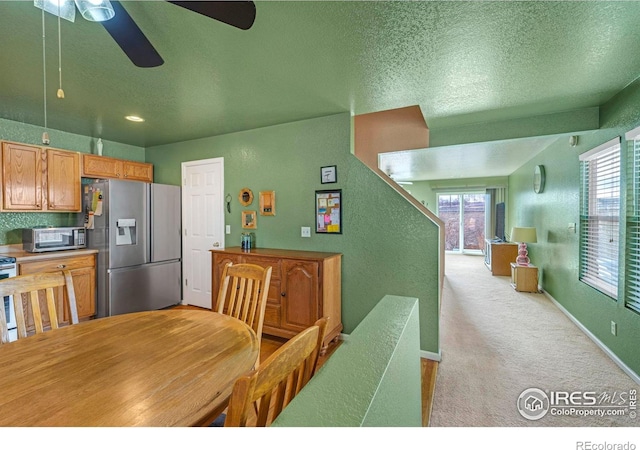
[249,220]
[328,174]
[329,211]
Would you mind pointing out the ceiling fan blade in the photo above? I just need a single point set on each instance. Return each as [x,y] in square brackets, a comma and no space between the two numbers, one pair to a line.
[239,14]
[131,39]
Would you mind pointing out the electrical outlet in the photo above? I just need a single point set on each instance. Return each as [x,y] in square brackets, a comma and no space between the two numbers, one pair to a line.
[614,328]
[228,229]
[305,231]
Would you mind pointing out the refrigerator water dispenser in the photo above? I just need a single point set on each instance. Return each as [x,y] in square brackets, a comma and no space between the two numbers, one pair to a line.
[126,232]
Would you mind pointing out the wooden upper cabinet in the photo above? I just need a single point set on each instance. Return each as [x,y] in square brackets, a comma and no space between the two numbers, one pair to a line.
[100,166]
[137,171]
[94,166]
[63,181]
[21,177]
[35,179]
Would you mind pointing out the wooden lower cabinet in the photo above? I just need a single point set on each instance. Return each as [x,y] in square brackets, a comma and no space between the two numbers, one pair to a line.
[83,271]
[305,286]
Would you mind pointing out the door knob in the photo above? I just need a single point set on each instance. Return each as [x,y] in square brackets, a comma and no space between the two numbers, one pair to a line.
[216,244]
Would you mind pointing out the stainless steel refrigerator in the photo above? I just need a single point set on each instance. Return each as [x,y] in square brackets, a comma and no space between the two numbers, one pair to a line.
[136,228]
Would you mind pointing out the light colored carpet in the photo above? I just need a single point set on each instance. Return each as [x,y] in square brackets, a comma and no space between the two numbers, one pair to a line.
[497,342]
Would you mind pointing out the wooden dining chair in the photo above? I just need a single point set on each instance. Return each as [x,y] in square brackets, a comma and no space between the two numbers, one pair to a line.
[267,390]
[31,285]
[243,294]
[4,331]
[322,331]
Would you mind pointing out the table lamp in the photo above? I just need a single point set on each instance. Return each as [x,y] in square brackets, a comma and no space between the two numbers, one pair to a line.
[523,235]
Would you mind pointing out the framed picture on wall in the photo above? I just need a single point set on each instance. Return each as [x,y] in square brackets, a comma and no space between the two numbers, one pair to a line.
[328,174]
[329,211]
[249,220]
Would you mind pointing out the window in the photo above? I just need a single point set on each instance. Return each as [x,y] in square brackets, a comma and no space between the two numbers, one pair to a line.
[600,217]
[632,256]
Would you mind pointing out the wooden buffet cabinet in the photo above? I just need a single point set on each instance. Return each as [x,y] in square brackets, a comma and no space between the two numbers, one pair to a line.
[82,265]
[305,286]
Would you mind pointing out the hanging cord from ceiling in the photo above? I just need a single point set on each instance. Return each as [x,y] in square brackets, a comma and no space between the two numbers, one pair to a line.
[45,134]
[60,93]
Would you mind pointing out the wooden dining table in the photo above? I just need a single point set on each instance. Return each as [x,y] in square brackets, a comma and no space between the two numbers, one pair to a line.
[156,368]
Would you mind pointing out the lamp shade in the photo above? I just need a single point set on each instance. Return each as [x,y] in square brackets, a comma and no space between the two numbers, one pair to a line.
[524,234]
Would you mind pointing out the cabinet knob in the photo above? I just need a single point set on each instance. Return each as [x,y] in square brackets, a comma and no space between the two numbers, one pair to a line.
[61,266]
[283,294]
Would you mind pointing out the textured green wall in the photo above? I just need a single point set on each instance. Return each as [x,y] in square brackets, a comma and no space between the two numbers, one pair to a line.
[556,251]
[388,246]
[11,223]
[372,380]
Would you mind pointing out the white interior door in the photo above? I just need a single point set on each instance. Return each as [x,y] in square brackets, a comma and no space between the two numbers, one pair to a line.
[203,226]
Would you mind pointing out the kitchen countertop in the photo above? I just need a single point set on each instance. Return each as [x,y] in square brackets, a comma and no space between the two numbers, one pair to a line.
[17,252]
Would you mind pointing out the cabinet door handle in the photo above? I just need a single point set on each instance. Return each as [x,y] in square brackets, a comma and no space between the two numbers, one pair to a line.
[283,294]
[61,266]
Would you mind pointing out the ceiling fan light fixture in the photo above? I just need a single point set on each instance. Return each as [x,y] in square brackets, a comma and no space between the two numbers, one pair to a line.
[66,8]
[134,118]
[95,10]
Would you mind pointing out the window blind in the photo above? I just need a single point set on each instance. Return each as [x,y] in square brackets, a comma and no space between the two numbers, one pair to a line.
[600,217]
[632,256]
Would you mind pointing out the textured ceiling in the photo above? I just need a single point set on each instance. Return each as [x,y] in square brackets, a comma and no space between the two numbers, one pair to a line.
[461,62]
[497,159]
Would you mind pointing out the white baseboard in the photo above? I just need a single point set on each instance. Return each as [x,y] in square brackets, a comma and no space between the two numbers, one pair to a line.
[431,355]
[626,369]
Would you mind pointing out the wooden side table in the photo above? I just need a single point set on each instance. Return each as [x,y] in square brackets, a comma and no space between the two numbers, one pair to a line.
[524,278]
[498,255]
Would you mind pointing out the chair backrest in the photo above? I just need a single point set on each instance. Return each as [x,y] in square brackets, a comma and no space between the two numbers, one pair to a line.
[322,331]
[243,294]
[31,285]
[270,388]
[4,331]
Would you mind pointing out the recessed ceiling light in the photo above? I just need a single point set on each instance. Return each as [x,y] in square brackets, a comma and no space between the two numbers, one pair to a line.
[134,118]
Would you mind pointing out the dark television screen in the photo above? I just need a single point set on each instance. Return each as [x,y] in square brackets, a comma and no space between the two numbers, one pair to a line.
[500,221]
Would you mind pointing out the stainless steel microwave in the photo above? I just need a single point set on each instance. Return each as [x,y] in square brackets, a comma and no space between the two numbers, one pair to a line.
[48,239]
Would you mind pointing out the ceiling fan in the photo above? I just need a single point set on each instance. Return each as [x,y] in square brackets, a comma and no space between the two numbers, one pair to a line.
[123,29]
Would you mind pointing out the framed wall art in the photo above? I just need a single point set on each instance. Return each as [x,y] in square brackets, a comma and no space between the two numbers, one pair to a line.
[249,220]
[268,203]
[329,211]
[328,174]
[245,197]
